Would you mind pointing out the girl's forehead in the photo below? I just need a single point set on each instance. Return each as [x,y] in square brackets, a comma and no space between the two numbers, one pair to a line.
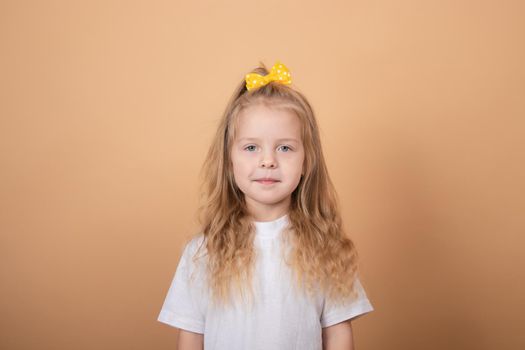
[261,115]
[261,121]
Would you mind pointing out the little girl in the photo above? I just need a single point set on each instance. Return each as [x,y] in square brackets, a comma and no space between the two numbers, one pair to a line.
[271,267]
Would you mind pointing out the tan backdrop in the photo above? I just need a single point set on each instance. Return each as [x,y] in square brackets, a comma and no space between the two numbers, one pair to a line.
[107,109]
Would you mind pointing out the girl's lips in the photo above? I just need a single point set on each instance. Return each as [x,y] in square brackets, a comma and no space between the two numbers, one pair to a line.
[267,182]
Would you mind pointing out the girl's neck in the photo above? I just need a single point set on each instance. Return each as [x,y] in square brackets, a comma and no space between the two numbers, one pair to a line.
[267,215]
[267,212]
[268,218]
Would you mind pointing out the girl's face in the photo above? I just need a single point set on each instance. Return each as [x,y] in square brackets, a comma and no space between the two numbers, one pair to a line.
[267,157]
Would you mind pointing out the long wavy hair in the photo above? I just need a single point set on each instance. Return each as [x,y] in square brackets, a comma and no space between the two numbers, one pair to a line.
[320,257]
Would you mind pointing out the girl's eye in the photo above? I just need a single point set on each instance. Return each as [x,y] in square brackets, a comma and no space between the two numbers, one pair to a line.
[285,148]
[250,148]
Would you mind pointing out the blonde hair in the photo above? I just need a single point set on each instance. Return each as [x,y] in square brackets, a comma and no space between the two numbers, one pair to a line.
[321,256]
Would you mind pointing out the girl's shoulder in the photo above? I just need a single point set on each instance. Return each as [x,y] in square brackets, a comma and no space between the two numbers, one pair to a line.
[195,241]
[196,245]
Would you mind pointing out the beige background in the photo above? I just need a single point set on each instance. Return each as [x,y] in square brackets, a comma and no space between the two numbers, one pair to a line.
[107,109]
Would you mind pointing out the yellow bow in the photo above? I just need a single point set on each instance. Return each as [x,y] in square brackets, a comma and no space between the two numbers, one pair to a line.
[278,73]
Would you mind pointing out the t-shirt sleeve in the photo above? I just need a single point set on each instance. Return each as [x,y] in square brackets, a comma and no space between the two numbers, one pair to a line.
[183,307]
[334,313]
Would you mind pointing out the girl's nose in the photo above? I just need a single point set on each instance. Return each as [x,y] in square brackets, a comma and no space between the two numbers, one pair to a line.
[268,162]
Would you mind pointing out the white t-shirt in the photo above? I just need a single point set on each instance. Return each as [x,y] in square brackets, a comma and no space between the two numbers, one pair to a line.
[279,318]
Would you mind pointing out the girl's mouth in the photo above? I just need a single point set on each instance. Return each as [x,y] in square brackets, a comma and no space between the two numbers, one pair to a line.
[267,181]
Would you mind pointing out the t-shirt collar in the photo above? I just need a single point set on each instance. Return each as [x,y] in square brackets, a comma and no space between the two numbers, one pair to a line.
[270,228]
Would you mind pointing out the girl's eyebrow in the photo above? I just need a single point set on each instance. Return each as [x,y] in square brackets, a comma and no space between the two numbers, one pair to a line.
[278,140]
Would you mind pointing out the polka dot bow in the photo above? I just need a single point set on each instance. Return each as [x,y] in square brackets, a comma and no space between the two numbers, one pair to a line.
[278,73]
